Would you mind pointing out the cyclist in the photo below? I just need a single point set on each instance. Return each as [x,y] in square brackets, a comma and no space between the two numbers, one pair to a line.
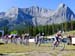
[58,38]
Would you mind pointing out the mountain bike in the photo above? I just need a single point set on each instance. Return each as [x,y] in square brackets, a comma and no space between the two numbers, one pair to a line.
[59,45]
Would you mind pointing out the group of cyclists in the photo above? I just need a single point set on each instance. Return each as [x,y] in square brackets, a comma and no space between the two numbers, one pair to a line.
[24,39]
[39,37]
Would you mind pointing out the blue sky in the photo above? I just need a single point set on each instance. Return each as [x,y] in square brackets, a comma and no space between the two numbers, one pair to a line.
[49,4]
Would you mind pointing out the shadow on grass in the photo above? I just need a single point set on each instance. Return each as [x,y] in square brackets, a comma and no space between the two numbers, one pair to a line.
[2,54]
[1,43]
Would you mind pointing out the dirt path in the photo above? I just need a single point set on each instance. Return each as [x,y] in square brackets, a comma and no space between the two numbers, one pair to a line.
[43,53]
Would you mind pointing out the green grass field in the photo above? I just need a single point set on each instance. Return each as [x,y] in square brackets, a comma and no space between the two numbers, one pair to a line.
[31,50]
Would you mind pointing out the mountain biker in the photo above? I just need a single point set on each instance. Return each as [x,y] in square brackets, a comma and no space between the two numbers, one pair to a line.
[58,38]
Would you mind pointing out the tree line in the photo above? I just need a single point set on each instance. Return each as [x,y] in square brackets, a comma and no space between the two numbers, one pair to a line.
[46,29]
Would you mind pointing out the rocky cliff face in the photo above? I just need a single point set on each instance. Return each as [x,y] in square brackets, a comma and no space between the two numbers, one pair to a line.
[36,16]
[63,14]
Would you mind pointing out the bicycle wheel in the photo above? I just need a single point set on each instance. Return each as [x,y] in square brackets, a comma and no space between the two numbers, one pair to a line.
[60,46]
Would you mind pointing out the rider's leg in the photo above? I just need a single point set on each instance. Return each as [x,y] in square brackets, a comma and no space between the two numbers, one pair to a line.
[56,43]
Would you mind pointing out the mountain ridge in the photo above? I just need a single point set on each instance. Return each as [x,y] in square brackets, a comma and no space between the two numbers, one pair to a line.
[36,16]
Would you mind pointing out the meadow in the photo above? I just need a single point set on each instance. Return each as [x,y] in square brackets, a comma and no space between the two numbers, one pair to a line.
[33,50]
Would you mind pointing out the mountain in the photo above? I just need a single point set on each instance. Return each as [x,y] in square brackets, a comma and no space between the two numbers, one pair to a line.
[36,16]
[16,16]
[40,15]
[63,14]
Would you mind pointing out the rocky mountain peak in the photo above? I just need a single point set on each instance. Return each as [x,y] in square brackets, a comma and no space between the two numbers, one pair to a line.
[62,5]
[12,12]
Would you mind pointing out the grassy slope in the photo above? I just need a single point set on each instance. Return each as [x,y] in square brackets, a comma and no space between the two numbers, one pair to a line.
[44,48]
[70,33]
[8,48]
